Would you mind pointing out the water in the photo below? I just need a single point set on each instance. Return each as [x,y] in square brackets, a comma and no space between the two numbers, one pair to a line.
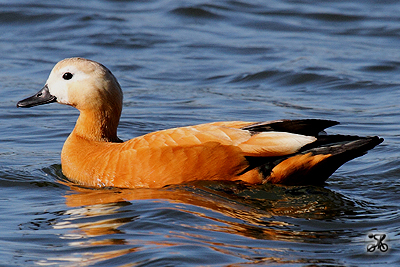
[189,62]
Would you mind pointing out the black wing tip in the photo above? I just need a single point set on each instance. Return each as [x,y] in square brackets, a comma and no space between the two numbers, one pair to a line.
[375,140]
[300,126]
[344,145]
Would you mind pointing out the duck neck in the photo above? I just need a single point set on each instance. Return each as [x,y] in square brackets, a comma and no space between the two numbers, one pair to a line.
[98,125]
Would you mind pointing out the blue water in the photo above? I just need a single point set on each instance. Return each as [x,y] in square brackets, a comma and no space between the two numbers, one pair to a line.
[190,62]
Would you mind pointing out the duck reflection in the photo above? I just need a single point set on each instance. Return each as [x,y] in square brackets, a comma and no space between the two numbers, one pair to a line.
[113,217]
[261,212]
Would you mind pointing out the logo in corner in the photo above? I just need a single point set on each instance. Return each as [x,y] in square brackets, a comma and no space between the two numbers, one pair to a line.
[379,243]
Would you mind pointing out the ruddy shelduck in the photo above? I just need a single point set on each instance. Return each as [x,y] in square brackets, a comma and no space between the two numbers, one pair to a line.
[289,152]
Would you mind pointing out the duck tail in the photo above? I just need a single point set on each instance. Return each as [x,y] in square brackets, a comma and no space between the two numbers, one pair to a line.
[314,163]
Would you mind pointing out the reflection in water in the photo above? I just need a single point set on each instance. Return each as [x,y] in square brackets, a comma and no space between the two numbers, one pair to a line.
[222,217]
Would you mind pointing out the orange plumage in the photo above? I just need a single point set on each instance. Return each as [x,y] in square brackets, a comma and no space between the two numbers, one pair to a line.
[285,152]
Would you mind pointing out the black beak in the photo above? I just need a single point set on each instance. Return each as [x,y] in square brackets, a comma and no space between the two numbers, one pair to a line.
[40,98]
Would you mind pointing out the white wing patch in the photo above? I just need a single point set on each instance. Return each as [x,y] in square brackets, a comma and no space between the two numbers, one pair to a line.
[269,144]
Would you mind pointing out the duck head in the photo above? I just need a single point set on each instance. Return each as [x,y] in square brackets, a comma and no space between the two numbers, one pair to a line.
[77,82]
[88,86]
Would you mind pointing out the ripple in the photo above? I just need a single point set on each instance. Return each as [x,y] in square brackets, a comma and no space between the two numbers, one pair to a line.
[286,78]
[18,17]
[375,31]
[195,12]
[262,75]
[335,17]
[128,41]
[272,25]
[383,67]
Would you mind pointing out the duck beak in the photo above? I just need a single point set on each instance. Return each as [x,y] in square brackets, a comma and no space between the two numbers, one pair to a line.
[40,98]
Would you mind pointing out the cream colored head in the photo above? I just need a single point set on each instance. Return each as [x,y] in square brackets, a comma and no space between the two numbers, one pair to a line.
[91,88]
[84,84]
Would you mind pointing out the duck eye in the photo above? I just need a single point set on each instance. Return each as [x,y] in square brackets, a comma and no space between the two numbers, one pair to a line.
[67,76]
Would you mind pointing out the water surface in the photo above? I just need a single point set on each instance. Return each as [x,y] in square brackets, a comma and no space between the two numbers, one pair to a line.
[189,62]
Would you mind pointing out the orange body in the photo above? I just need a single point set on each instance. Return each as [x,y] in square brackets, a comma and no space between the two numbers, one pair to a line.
[215,151]
[283,152]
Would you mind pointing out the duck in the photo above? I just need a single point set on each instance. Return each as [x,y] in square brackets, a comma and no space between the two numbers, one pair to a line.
[284,152]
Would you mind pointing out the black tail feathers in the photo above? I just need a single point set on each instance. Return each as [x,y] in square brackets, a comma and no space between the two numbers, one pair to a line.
[315,162]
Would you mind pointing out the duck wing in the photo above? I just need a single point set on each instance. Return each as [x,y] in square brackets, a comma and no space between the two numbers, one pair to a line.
[314,162]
